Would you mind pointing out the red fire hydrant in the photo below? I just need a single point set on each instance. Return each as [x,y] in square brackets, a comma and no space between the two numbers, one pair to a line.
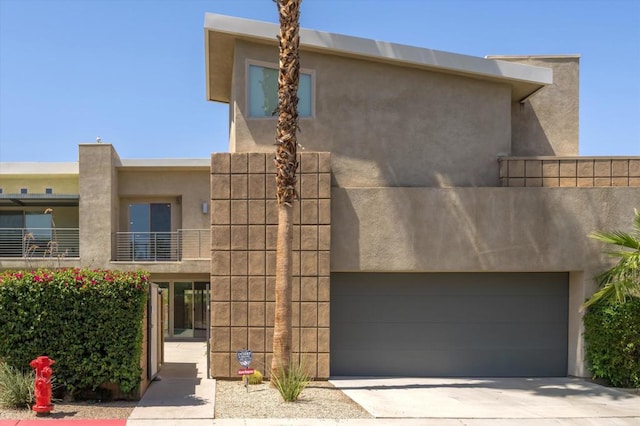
[43,404]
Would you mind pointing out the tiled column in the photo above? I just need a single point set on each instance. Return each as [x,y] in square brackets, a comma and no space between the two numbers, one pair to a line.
[244,221]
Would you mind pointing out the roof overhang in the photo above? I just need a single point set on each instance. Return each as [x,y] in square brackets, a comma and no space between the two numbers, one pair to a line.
[221,33]
[39,200]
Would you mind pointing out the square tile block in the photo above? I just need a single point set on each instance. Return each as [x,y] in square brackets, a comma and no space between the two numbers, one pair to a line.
[256,212]
[239,187]
[239,212]
[257,314]
[239,340]
[257,162]
[220,314]
[220,212]
[257,187]
[220,237]
[220,187]
[257,288]
[257,237]
[239,263]
[220,163]
[239,286]
[220,288]
[239,162]
[239,237]
[239,311]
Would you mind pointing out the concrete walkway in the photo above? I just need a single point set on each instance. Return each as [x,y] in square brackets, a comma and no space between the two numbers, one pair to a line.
[182,394]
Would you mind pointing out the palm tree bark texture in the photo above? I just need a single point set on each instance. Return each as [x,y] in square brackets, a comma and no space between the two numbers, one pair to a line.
[286,165]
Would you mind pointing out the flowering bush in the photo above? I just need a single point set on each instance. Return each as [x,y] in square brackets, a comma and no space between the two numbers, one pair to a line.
[88,321]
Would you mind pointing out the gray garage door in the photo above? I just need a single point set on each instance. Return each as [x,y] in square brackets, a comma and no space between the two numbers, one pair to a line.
[484,324]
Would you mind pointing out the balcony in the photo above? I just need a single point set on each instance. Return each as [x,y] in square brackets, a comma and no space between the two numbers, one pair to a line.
[185,244]
[39,243]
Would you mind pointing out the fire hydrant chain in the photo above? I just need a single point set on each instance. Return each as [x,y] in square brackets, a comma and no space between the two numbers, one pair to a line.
[42,385]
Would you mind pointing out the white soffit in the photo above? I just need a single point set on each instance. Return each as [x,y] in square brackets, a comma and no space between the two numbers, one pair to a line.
[383,51]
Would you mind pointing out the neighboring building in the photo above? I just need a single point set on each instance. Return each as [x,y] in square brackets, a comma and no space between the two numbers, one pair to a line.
[442,223]
[103,212]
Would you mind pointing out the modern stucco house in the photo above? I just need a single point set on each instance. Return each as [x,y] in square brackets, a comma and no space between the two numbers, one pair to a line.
[444,209]
[441,228]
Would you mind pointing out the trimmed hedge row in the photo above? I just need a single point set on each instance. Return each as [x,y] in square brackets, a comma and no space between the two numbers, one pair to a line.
[612,336]
[88,321]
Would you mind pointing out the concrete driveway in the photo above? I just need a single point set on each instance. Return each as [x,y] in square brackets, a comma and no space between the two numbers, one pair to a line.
[530,400]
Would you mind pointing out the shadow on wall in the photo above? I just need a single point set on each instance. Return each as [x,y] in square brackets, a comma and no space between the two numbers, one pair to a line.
[527,134]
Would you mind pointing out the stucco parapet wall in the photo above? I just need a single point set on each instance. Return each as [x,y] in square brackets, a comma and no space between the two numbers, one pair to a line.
[165,163]
[36,168]
[222,31]
[570,171]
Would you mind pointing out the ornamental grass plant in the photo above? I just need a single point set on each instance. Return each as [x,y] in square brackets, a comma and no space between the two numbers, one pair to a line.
[16,387]
[291,380]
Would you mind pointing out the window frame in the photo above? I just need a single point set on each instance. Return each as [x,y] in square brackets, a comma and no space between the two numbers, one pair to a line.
[264,64]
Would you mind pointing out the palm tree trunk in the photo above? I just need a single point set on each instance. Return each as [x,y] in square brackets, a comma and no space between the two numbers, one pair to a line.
[286,166]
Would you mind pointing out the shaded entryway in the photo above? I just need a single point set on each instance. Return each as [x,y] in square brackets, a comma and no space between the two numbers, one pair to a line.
[449,324]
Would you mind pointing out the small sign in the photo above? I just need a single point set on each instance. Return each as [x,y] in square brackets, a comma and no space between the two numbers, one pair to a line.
[245,357]
[245,371]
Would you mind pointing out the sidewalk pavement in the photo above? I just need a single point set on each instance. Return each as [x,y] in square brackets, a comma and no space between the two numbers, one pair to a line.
[183,396]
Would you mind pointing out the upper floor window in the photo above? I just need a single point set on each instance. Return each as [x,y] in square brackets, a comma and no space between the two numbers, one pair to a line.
[263,91]
[48,191]
[23,191]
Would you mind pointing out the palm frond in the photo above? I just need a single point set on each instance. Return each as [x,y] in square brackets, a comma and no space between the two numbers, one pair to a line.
[636,222]
[623,279]
[619,238]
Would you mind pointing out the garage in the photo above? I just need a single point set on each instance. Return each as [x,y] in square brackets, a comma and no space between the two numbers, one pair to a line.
[449,324]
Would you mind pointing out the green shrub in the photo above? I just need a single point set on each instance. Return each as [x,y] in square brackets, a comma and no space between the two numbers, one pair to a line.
[612,336]
[16,387]
[88,321]
[291,381]
[255,378]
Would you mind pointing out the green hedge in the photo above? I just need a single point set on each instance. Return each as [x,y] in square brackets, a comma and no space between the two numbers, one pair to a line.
[88,321]
[612,336]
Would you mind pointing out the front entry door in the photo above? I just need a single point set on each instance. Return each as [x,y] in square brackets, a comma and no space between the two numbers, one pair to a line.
[187,309]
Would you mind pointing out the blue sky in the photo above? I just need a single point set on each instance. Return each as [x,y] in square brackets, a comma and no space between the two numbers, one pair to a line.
[132,71]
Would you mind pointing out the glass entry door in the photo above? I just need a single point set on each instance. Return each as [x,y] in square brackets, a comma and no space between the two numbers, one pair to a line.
[187,306]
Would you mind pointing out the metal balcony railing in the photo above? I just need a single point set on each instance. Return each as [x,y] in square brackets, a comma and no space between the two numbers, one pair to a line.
[39,242]
[162,246]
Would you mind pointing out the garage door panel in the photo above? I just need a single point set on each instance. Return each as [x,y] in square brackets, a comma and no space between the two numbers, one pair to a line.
[435,363]
[432,320]
[450,336]
[437,307]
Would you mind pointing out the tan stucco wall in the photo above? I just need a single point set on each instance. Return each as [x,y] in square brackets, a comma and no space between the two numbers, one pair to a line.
[98,202]
[387,125]
[547,123]
[481,230]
